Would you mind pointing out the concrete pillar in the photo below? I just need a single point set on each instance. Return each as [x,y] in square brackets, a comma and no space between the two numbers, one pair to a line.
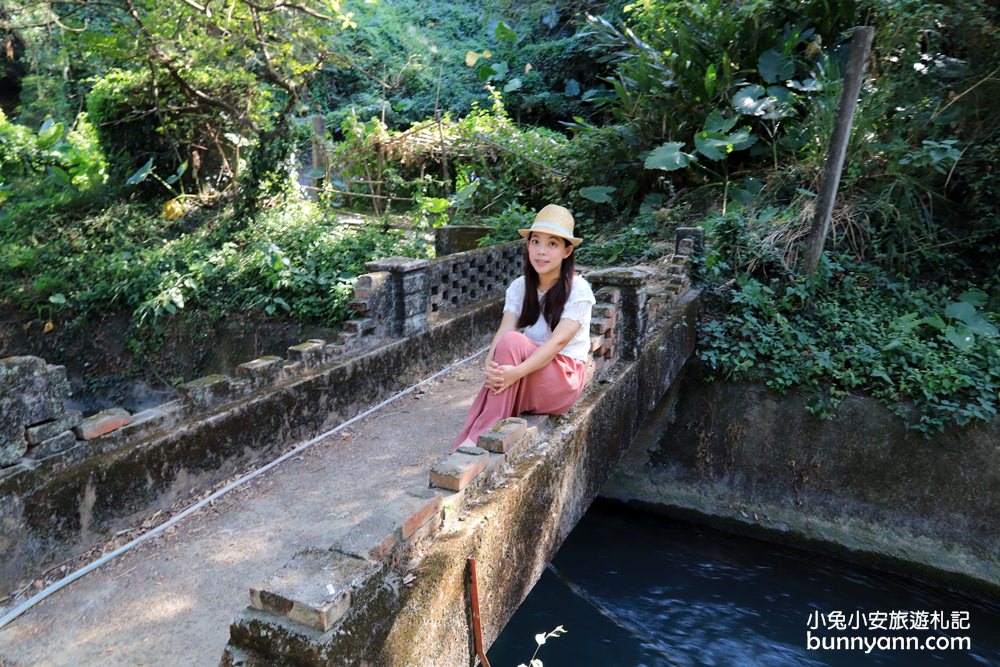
[631,284]
[408,281]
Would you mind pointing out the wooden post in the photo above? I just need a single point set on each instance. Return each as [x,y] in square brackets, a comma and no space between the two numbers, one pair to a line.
[832,168]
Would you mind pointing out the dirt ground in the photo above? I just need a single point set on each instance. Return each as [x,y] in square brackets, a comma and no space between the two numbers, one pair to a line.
[169,601]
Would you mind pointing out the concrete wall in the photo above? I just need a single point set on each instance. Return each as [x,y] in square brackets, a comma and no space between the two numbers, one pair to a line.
[859,485]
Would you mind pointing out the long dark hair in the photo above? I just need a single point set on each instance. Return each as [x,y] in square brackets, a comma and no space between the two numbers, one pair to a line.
[555,299]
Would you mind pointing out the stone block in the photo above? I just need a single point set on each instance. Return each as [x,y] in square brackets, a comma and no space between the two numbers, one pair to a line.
[314,588]
[102,423]
[456,471]
[210,391]
[11,450]
[503,436]
[262,371]
[31,392]
[54,445]
[309,353]
[53,427]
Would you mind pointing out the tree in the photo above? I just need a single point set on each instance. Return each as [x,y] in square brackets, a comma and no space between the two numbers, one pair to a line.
[205,76]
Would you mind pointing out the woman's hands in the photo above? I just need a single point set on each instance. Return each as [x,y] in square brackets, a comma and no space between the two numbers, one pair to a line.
[500,376]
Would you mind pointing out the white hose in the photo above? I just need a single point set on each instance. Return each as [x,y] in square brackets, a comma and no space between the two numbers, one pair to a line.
[70,578]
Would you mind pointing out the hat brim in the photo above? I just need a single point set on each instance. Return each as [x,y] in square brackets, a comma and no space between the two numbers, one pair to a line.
[574,241]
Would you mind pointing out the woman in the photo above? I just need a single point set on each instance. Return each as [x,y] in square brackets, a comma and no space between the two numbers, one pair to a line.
[543,369]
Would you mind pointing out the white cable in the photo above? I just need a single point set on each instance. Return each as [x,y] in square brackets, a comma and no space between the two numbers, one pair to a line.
[70,578]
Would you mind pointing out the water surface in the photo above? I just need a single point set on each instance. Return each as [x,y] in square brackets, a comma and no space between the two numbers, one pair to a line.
[638,589]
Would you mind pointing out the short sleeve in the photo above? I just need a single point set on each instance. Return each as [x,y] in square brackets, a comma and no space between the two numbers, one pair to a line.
[581,300]
[514,301]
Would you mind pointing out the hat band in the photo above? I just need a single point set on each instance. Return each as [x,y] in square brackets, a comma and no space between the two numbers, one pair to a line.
[542,226]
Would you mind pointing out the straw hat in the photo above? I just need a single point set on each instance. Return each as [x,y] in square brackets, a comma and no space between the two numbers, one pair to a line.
[555,220]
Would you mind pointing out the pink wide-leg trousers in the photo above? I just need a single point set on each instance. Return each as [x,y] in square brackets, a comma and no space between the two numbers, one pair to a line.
[550,390]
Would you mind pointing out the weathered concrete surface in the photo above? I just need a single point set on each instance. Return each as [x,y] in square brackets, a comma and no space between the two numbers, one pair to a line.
[59,507]
[858,485]
[513,522]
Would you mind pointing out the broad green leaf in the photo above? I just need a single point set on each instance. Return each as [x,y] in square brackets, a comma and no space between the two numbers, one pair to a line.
[713,145]
[435,205]
[710,80]
[669,157]
[503,33]
[974,297]
[140,175]
[600,194]
[960,336]
[58,298]
[751,100]
[49,134]
[177,174]
[462,195]
[716,122]
[486,72]
[512,85]
[774,66]
[960,310]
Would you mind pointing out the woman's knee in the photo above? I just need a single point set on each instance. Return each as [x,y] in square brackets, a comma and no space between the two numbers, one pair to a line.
[511,346]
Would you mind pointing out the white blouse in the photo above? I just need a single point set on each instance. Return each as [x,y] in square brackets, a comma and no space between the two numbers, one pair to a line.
[578,304]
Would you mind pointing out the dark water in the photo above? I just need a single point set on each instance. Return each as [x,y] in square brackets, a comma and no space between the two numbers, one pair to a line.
[637,589]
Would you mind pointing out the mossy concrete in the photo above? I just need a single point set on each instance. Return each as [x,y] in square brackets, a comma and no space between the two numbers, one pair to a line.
[859,485]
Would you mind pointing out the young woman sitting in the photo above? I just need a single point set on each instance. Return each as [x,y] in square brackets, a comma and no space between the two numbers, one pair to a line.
[538,358]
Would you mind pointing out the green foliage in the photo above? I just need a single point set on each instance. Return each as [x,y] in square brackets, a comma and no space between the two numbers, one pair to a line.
[53,166]
[859,331]
[402,67]
[491,163]
[292,262]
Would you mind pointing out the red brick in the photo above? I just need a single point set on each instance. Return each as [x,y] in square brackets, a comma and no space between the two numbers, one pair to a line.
[102,423]
[456,471]
[501,436]
[422,515]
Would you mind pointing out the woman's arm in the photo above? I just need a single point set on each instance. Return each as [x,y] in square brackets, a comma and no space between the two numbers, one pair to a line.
[508,323]
[499,377]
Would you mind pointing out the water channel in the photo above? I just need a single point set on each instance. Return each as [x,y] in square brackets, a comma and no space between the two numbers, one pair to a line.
[637,589]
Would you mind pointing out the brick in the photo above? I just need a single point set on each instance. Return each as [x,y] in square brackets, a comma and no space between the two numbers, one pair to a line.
[54,427]
[599,325]
[456,471]
[211,391]
[373,538]
[102,423]
[503,435]
[428,506]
